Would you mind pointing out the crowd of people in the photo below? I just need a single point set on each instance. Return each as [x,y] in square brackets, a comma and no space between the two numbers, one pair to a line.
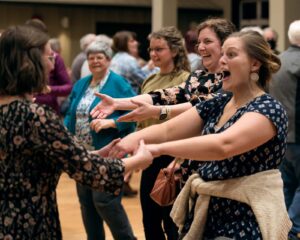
[226,114]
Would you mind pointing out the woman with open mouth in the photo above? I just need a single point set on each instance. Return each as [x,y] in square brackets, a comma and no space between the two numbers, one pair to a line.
[237,141]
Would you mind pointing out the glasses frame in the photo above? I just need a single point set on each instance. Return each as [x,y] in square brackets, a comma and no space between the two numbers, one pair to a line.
[156,50]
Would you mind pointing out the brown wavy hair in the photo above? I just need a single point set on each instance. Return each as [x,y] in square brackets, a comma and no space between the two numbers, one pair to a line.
[120,41]
[175,41]
[257,48]
[221,26]
[22,67]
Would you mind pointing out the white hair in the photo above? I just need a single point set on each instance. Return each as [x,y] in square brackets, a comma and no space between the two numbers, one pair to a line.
[253,28]
[100,47]
[86,40]
[294,33]
[104,38]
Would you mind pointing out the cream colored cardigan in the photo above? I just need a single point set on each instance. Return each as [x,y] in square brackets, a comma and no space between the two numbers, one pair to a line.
[262,191]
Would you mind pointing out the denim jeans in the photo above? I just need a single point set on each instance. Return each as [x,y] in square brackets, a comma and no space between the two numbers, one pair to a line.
[97,207]
[290,170]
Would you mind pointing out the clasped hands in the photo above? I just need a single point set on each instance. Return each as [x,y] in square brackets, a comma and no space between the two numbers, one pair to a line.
[138,151]
[122,147]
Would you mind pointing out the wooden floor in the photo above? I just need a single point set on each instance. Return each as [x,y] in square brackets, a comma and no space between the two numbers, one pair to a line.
[70,216]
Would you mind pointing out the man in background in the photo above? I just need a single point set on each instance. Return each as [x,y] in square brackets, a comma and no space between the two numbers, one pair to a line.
[286,89]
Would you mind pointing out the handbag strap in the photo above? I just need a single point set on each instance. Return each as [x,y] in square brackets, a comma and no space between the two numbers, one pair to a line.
[172,169]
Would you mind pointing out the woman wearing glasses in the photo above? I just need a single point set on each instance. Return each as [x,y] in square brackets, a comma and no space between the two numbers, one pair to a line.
[168,53]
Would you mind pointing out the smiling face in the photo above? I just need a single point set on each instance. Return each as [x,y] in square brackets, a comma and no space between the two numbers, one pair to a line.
[161,55]
[98,63]
[237,66]
[209,47]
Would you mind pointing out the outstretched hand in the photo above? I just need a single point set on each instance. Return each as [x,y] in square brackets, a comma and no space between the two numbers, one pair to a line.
[104,108]
[141,159]
[104,152]
[142,112]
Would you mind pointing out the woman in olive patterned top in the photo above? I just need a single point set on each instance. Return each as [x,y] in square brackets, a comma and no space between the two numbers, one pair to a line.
[35,147]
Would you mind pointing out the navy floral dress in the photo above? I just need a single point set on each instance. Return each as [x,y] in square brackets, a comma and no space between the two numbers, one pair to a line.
[199,86]
[227,217]
[35,148]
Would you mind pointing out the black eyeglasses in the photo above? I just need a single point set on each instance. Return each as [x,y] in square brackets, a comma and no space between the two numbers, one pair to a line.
[157,50]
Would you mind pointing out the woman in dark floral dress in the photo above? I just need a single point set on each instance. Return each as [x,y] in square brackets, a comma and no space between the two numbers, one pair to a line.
[242,134]
[35,148]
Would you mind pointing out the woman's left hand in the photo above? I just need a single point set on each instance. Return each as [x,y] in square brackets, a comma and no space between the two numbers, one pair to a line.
[104,152]
[98,124]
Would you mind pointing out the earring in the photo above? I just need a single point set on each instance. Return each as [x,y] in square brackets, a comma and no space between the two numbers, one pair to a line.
[254,76]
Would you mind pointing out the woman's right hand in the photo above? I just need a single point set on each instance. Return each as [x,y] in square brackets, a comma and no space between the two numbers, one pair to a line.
[141,159]
[127,145]
[104,108]
[142,112]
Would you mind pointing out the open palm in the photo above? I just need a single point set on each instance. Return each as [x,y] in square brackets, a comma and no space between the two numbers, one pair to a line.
[104,108]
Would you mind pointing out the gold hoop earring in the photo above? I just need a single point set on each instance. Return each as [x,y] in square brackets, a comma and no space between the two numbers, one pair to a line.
[254,76]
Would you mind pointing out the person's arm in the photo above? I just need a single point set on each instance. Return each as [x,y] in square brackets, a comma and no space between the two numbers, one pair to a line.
[185,125]
[138,161]
[63,84]
[146,111]
[250,131]
[108,104]
[60,150]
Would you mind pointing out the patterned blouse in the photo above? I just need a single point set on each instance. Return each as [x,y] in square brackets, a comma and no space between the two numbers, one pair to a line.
[199,86]
[227,217]
[35,148]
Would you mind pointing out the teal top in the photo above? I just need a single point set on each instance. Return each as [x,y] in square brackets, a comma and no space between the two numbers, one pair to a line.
[117,87]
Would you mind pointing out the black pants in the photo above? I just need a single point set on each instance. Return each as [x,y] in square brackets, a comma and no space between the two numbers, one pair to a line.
[156,219]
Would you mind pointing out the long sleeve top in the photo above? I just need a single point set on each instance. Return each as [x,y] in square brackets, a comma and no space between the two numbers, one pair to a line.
[35,149]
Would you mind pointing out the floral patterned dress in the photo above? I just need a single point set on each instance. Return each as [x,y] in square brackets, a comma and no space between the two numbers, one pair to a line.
[35,148]
[229,218]
[200,86]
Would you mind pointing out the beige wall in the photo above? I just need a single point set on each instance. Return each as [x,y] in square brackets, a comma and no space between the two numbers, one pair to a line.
[82,19]
[282,13]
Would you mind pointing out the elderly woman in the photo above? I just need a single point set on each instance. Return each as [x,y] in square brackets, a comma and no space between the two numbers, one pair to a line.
[98,206]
